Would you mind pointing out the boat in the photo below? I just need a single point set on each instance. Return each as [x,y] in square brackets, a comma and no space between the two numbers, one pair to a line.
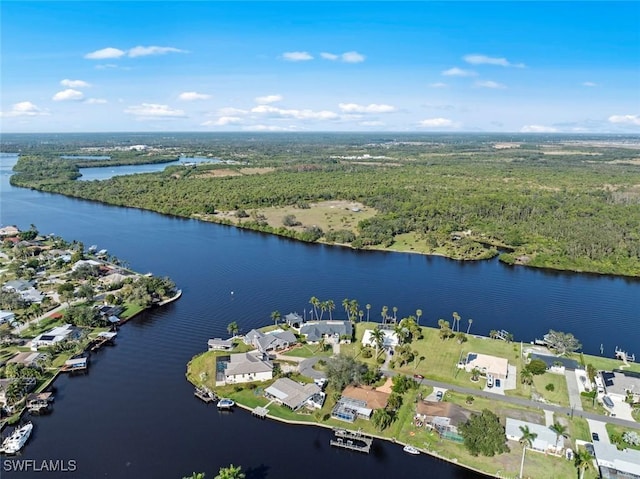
[17,439]
[224,403]
[411,450]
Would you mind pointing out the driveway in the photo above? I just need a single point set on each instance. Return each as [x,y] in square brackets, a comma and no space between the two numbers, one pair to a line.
[433,395]
[621,409]
[306,368]
[599,427]
[574,390]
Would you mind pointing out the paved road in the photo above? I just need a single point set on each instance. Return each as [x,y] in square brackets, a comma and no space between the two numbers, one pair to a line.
[574,389]
[526,402]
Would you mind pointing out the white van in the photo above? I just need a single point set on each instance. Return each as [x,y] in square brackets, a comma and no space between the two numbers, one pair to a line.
[489,381]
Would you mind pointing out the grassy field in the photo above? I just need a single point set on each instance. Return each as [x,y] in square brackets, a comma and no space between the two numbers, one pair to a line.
[617,431]
[308,351]
[560,393]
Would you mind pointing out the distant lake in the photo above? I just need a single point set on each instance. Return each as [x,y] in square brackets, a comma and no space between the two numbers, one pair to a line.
[106,172]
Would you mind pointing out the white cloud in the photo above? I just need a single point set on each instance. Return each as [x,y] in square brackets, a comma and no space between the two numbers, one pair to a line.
[372,123]
[346,57]
[106,66]
[589,84]
[74,83]
[95,101]
[153,110]
[459,72]
[329,56]
[485,60]
[352,57]
[24,108]
[538,129]
[306,114]
[438,85]
[371,108]
[193,96]
[108,52]
[625,119]
[68,95]
[490,84]
[223,121]
[138,51]
[297,56]
[263,100]
[436,123]
[141,51]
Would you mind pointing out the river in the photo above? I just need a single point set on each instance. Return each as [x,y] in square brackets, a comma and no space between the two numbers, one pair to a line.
[134,414]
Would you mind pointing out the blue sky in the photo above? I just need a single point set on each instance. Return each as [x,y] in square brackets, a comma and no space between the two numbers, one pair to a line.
[320,66]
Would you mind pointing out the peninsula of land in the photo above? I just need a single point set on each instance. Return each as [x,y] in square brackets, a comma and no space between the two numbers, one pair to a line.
[483,402]
[558,202]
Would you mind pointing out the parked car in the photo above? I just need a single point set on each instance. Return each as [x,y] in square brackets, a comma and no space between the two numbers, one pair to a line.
[418,376]
[497,383]
[594,436]
[439,395]
[489,381]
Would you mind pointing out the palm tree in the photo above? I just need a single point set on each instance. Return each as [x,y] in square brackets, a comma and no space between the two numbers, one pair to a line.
[559,429]
[456,317]
[582,460]
[275,316]
[526,440]
[385,309]
[231,472]
[353,308]
[395,311]
[378,338]
[331,306]
[470,323]
[345,305]
[323,308]
[368,306]
[360,315]
[233,328]
[195,475]
[526,377]
[315,302]
[418,314]
[401,333]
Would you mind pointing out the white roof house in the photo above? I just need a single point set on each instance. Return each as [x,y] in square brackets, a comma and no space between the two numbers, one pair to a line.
[545,440]
[486,364]
[53,336]
[248,367]
[615,463]
[6,316]
[290,393]
[390,339]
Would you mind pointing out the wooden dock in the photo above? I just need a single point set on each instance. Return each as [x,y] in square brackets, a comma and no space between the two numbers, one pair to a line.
[260,412]
[101,340]
[355,441]
[204,395]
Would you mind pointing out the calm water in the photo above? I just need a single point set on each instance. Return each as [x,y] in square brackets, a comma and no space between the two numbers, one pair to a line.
[89,174]
[134,414]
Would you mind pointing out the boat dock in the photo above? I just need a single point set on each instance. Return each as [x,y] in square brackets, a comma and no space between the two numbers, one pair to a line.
[38,403]
[75,364]
[355,441]
[204,394]
[101,340]
[260,412]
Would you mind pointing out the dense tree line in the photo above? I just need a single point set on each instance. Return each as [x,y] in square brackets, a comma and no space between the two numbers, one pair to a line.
[578,211]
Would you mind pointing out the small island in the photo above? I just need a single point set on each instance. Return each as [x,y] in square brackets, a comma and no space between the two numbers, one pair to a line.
[487,403]
[59,301]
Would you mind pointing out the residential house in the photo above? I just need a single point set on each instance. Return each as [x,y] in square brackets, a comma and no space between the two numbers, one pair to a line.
[444,417]
[218,344]
[7,316]
[270,341]
[55,335]
[25,289]
[389,339]
[618,383]
[29,359]
[359,402]
[315,331]
[294,320]
[248,367]
[9,230]
[557,364]
[292,394]
[487,365]
[616,464]
[545,440]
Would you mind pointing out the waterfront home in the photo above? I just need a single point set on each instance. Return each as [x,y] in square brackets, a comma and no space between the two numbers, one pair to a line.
[614,463]
[247,367]
[545,440]
[294,320]
[114,278]
[270,341]
[359,402]
[294,395]
[389,339]
[557,364]
[28,383]
[218,344]
[55,335]
[315,331]
[9,230]
[617,384]
[7,316]
[86,262]
[487,365]
[25,289]
[444,417]
[29,359]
